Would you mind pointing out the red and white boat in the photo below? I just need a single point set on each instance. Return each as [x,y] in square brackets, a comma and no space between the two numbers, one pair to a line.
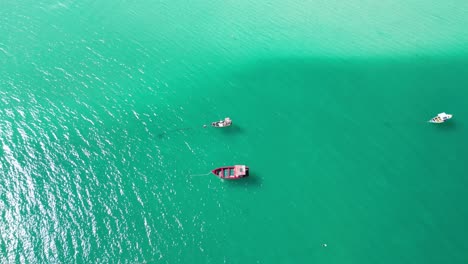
[231,172]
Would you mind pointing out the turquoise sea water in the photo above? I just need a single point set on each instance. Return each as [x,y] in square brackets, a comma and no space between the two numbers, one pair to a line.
[102,107]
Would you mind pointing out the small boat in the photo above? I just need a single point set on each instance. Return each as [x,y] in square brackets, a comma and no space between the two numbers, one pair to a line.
[440,118]
[222,123]
[231,172]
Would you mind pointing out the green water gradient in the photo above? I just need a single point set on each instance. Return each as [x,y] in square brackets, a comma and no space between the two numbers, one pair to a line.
[102,107]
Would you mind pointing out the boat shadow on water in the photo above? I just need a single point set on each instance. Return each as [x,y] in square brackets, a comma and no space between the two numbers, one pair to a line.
[447,126]
[252,181]
[232,130]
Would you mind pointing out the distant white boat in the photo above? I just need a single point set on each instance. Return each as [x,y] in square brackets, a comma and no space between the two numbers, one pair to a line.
[440,118]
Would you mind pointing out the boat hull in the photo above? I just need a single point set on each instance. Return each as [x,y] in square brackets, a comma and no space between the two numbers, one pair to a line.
[231,172]
[436,121]
[220,124]
[440,118]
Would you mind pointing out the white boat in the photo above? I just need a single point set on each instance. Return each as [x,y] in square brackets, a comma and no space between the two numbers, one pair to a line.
[222,123]
[440,118]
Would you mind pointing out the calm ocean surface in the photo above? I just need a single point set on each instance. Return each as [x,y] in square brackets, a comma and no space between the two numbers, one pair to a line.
[102,107]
